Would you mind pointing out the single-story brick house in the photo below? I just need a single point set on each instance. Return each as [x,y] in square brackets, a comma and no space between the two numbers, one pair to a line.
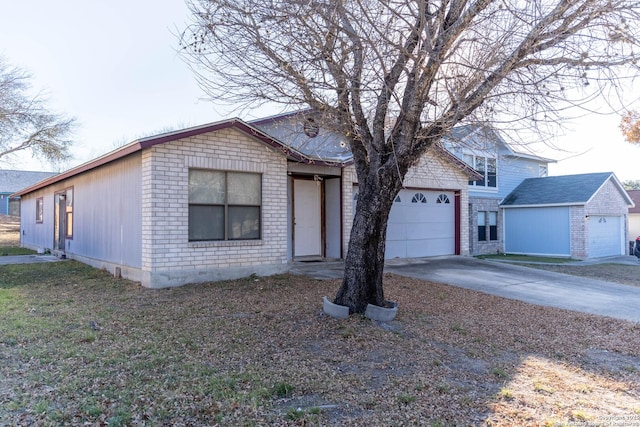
[578,216]
[229,199]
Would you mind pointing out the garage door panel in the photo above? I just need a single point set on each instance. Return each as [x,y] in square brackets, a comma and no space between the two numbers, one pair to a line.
[421,229]
[605,236]
[396,231]
[396,249]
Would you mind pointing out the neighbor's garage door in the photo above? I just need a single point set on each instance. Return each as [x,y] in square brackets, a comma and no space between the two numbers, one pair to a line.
[421,223]
[605,236]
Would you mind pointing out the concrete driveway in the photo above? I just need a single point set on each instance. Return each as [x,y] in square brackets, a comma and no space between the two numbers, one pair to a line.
[511,281]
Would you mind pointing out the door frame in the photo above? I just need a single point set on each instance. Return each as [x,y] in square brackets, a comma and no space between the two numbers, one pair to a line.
[319,180]
[60,219]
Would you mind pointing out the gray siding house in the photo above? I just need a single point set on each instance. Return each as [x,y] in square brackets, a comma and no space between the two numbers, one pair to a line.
[578,216]
[502,169]
[12,181]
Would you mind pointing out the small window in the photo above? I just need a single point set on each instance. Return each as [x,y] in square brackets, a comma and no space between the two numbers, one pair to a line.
[443,198]
[39,210]
[482,228]
[355,196]
[398,199]
[485,166]
[69,213]
[490,232]
[419,198]
[543,171]
[493,225]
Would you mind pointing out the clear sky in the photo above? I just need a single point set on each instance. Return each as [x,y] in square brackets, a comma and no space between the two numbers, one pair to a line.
[113,65]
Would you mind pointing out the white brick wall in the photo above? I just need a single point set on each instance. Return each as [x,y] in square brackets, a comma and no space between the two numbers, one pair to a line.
[168,256]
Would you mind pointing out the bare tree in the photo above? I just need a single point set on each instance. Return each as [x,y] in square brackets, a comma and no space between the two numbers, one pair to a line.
[25,121]
[394,76]
[630,127]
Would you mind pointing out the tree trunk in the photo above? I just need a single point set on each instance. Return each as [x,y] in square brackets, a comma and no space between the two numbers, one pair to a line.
[364,263]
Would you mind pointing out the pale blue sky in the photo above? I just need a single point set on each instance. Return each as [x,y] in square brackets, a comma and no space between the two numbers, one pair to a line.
[113,65]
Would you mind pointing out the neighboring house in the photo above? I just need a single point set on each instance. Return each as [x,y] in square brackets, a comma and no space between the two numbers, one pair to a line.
[578,216]
[12,181]
[232,198]
[503,169]
[634,215]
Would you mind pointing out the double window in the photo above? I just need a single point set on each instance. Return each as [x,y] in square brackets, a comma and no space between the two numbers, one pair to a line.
[224,205]
[490,232]
[486,166]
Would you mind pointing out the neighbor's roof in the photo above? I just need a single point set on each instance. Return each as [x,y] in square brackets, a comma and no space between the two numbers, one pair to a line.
[561,190]
[477,135]
[635,196]
[12,180]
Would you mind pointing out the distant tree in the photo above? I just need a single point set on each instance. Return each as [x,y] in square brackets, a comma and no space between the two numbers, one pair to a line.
[393,76]
[630,127]
[26,123]
[631,185]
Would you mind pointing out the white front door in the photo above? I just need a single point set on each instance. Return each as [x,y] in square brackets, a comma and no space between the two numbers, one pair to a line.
[307,230]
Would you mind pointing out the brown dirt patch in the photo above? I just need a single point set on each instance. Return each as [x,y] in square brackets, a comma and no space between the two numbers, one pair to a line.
[9,230]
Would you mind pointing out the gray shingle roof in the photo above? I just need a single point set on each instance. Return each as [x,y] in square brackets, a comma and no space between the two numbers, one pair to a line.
[635,196]
[556,190]
[12,181]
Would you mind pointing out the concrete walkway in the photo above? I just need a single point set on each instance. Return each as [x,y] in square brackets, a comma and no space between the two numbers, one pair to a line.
[512,281]
[27,259]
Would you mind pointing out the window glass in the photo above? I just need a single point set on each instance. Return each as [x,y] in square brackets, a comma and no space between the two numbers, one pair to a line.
[224,205]
[493,225]
[207,187]
[543,170]
[206,222]
[482,229]
[491,173]
[443,198]
[480,167]
[39,210]
[244,188]
[244,222]
[419,198]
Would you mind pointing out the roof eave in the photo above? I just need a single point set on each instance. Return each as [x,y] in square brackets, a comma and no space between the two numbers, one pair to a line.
[151,141]
[544,205]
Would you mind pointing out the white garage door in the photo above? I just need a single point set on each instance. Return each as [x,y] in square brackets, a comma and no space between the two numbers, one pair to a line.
[605,236]
[421,223]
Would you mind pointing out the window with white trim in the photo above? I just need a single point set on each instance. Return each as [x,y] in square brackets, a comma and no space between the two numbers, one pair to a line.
[486,166]
[490,232]
[224,205]
[543,170]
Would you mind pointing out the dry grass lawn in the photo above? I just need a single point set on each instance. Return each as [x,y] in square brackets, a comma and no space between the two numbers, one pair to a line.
[79,347]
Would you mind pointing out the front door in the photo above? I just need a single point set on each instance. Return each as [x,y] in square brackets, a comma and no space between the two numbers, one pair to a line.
[59,221]
[307,228]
